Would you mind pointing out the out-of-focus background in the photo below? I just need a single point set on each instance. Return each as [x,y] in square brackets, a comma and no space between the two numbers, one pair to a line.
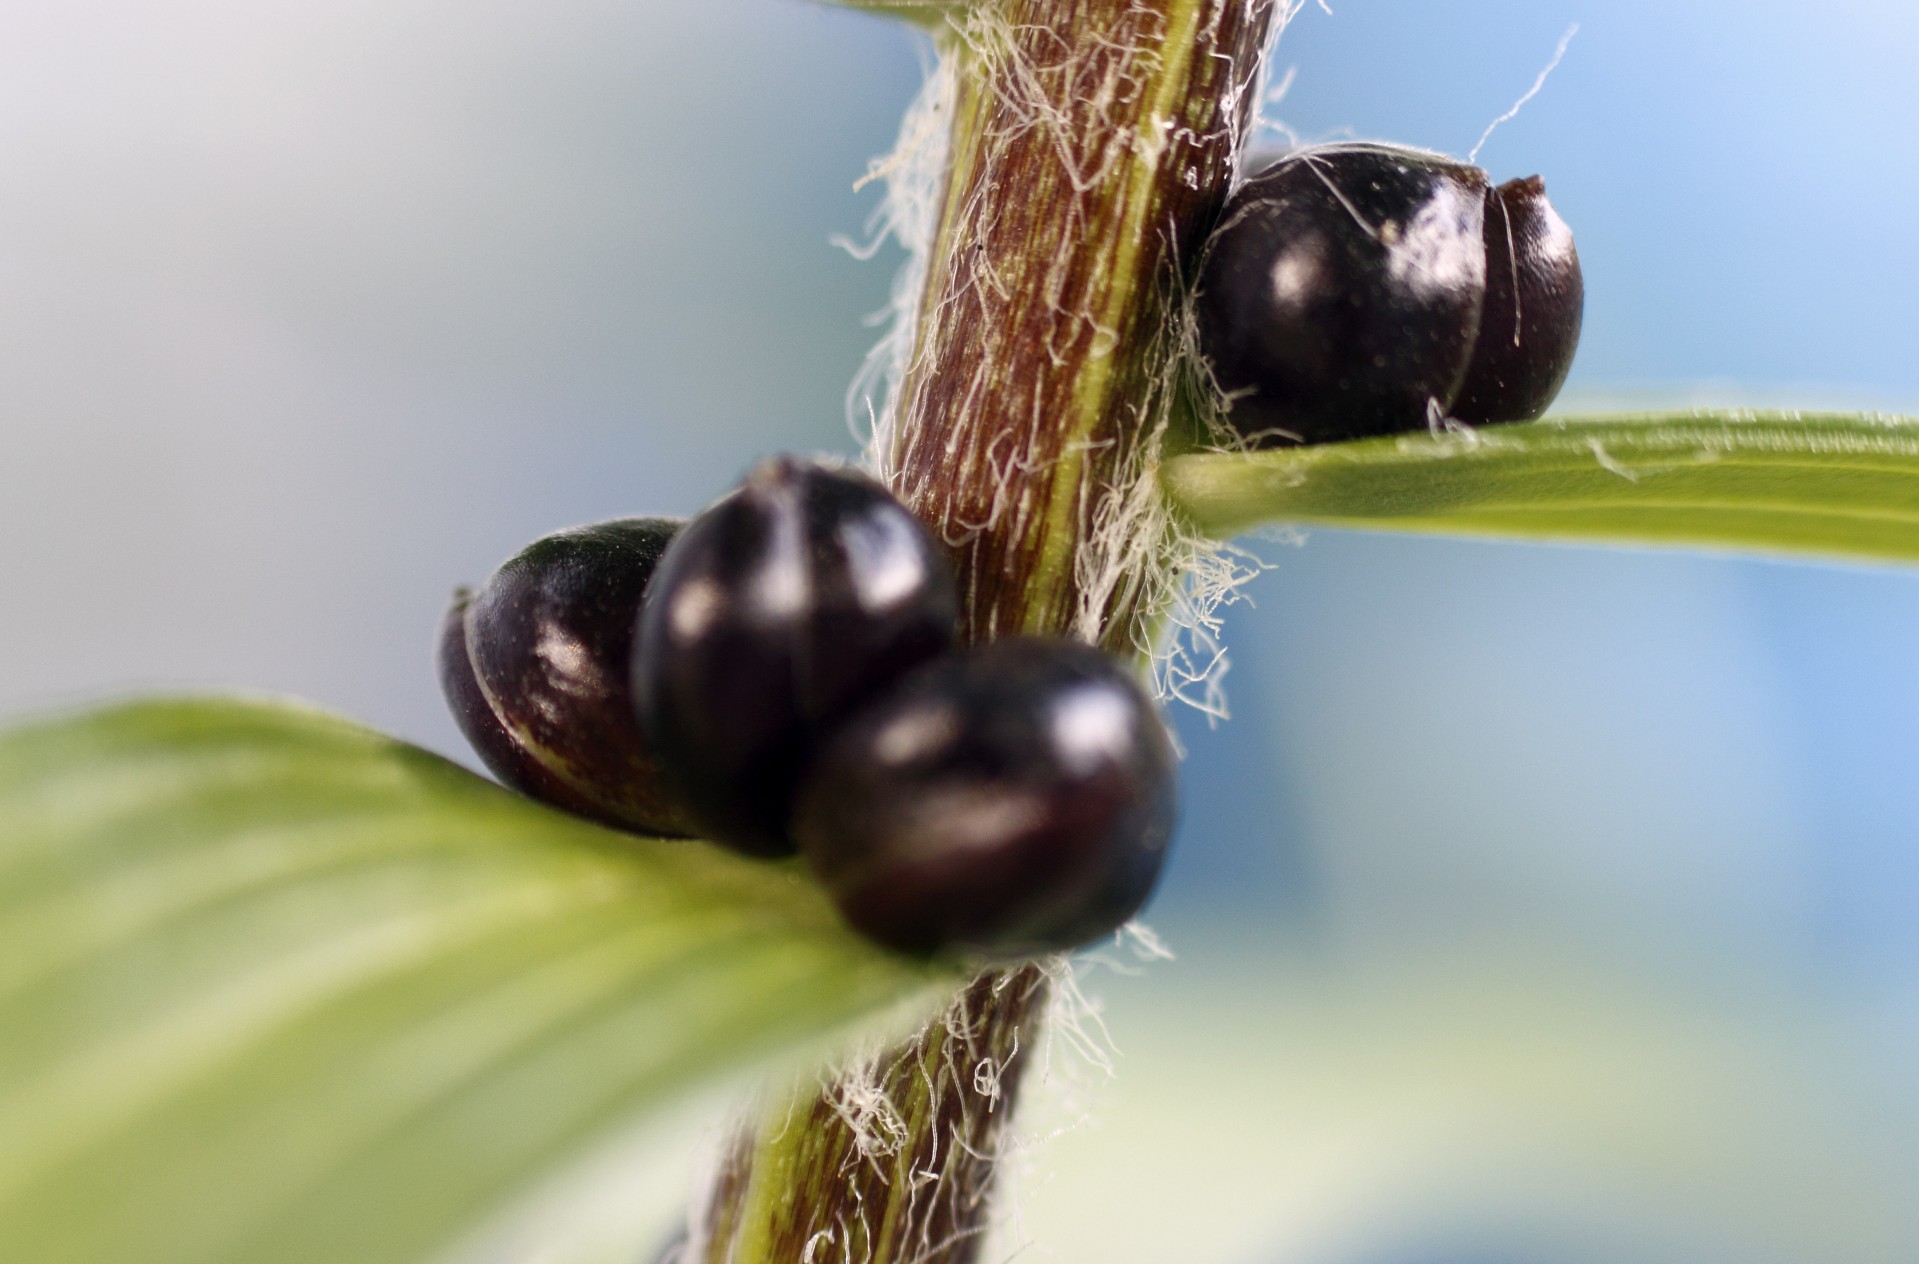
[1536,905]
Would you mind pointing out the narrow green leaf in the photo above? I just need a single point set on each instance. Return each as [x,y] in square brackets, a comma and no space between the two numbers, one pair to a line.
[924,12]
[274,988]
[1825,485]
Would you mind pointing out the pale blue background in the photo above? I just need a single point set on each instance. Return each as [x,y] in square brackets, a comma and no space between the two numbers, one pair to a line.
[311,310]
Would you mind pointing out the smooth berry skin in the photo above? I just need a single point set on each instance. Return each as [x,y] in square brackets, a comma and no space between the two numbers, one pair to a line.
[1340,295]
[1535,301]
[1011,799]
[535,666]
[776,612]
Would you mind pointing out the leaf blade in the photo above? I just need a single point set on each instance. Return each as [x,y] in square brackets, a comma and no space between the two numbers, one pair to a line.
[1823,485]
[273,987]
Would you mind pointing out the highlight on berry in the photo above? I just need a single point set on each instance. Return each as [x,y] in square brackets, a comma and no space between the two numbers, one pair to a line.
[783,672]
[777,611]
[1366,289]
[534,666]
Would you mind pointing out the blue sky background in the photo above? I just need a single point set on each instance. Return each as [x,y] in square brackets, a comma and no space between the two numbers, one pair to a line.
[310,311]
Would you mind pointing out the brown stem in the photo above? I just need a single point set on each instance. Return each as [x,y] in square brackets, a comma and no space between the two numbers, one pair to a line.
[1092,142]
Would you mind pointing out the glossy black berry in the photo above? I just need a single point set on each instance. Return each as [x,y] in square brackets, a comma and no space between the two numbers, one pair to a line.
[1355,290]
[776,612]
[1535,298]
[1013,798]
[536,666]
[1340,294]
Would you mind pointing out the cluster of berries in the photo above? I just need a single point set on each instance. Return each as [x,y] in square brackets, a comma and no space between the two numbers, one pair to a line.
[1367,289]
[782,673]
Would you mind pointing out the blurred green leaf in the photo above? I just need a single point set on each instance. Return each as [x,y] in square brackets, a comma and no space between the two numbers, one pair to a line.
[276,988]
[1824,485]
[924,12]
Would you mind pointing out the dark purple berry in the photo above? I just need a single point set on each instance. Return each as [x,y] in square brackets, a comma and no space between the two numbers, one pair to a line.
[1535,297]
[1340,294]
[776,612]
[1013,798]
[536,668]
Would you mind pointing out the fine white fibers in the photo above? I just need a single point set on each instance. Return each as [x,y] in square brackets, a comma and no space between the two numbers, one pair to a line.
[914,174]
[1559,54]
[1136,554]
[1073,1058]
[1133,555]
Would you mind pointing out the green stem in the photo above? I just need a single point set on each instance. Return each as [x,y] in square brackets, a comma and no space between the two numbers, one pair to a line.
[1091,144]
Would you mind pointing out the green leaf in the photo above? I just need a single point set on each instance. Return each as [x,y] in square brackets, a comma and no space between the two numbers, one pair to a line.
[1824,485]
[276,988]
[924,12]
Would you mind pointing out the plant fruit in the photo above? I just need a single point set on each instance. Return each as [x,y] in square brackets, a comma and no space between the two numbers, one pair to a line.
[1535,298]
[775,613]
[536,668]
[1345,293]
[1011,798]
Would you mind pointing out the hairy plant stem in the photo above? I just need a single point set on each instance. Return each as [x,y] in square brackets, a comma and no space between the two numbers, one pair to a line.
[1091,144]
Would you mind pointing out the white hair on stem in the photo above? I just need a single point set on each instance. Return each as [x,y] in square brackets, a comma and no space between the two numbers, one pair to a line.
[1135,554]
[909,214]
